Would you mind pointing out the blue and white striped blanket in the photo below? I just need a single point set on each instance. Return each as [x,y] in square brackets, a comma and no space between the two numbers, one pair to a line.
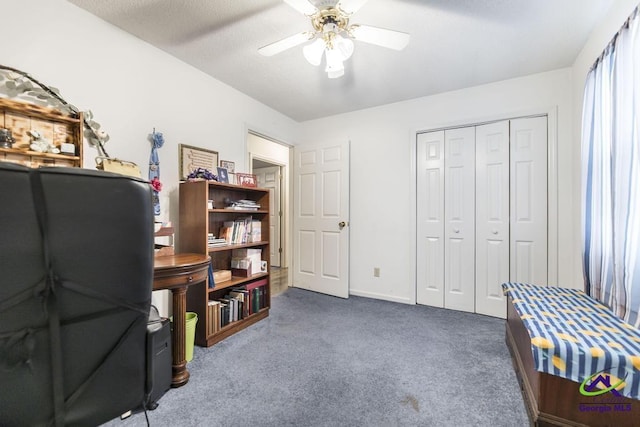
[576,337]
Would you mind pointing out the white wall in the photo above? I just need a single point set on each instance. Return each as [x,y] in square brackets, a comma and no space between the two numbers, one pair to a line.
[132,87]
[383,171]
[601,36]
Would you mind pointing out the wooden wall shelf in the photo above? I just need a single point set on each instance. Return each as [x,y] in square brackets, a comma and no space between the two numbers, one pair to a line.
[53,125]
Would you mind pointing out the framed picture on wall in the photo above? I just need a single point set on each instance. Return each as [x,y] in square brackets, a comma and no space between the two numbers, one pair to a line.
[246,179]
[192,158]
[228,165]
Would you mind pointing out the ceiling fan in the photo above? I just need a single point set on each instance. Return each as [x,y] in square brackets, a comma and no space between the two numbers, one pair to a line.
[332,34]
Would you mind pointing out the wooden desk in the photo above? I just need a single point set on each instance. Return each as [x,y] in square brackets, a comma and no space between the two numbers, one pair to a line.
[177,272]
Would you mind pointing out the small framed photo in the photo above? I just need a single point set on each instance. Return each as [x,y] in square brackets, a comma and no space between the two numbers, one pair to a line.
[246,180]
[223,175]
[192,158]
[228,165]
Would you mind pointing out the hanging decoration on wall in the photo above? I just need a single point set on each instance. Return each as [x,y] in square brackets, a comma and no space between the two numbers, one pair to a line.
[157,141]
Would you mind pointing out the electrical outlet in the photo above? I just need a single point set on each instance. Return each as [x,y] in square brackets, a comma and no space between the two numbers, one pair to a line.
[376,271]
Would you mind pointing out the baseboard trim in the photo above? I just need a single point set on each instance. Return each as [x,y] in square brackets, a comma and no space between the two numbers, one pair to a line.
[376,295]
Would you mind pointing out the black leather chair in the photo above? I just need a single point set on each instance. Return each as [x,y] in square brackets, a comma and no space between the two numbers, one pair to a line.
[76,272]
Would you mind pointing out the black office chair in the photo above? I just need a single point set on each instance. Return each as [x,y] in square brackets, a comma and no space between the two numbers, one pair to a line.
[76,272]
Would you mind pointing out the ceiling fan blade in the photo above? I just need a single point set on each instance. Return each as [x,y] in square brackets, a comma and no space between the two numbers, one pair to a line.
[284,44]
[379,36]
[352,6]
[302,6]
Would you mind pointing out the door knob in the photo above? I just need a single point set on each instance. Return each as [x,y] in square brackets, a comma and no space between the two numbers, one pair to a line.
[494,231]
[342,224]
[456,230]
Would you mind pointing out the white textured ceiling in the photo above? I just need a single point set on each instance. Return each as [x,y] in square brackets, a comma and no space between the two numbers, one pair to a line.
[454,44]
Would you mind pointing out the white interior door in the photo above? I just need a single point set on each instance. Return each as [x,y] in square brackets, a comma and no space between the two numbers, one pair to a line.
[459,219]
[492,217]
[271,178]
[430,214]
[529,200]
[321,219]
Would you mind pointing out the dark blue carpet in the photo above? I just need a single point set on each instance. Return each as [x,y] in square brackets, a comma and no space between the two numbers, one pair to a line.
[324,361]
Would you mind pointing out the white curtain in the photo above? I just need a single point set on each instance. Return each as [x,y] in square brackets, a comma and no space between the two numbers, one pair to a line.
[611,175]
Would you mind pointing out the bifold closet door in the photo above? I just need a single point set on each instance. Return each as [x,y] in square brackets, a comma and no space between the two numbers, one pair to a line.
[528,138]
[481,213]
[459,219]
[430,219]
[446,218]
[492,217]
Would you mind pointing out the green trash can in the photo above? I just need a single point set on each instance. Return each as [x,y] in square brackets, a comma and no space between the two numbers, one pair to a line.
[190,334]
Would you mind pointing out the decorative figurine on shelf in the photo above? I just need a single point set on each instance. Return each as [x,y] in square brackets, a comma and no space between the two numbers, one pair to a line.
[154,169]
[40,144]
[6,140]
[201,174]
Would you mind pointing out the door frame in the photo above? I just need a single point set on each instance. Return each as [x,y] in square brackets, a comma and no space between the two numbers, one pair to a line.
[285,196]
[552,182]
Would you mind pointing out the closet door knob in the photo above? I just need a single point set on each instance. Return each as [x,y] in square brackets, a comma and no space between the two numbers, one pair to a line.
[494,231]
[456,230]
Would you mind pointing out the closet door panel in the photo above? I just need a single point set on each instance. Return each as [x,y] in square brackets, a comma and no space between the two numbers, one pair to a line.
[430,215]
[492,217]
[459,224]
[529,200]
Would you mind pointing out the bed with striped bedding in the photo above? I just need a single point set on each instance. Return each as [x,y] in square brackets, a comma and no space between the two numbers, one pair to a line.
[578,364]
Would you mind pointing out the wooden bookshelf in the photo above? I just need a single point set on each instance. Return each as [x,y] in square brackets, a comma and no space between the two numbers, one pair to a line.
[197,220]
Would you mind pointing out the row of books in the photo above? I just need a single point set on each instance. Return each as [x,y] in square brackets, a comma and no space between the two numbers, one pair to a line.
[240,231]
[239,303]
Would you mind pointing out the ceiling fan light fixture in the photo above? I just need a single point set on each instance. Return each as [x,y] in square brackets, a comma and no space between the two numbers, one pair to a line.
[313,52]
[333,34]
[335,74]
[344,46]
[335,67]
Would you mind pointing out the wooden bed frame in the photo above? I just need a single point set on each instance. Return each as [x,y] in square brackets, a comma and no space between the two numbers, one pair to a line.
[555,401]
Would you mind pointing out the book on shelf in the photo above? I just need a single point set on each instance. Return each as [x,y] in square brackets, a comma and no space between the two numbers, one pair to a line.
[226,231]
[256,231]
[211,277]
[234,308]
[242,205]
[214,316]
[215,241]
[230,306]
[224,314]
[239,309]
[243,208]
